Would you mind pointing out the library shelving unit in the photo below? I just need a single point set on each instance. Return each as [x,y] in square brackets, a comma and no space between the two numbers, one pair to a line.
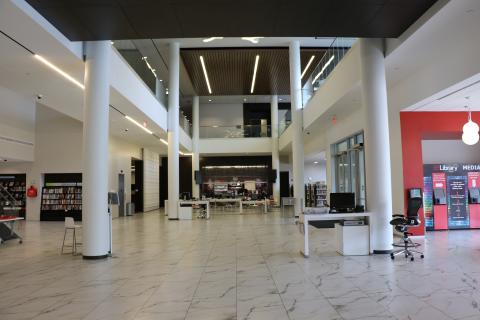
[61,198]
[13,194]
[316,194]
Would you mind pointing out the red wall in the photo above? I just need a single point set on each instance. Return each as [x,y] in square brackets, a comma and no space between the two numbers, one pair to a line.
[416,126]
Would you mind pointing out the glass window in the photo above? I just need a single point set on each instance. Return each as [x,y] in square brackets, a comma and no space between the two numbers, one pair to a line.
[350,167]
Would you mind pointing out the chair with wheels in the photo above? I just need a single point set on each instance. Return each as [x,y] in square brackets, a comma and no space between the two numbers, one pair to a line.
[403,223]
[70,225]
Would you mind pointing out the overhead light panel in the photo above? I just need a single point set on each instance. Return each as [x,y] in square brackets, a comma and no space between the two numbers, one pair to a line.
[254,73]
[58,70]
[323,69]
[138,124]
[212,38]
[307,66]
[205,74]
[253,40]
[164,141]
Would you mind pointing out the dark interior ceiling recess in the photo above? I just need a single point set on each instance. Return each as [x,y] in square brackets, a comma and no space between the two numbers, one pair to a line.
[142,19]
[230,71]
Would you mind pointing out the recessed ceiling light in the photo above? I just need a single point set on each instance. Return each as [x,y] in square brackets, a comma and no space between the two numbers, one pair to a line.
[244,99]
[254,73]
[58,70]
[212,38]
[280,99]
[138,124]
[307,66]
[209,100]
[315,162]
[205,74]
[252,39]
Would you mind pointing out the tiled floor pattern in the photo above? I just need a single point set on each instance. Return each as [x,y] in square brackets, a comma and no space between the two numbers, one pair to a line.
[233,267]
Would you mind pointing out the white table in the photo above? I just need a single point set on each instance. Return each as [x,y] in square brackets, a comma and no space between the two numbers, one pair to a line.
[10,223]
[256,203]
[196,202]
[321,214]
[227,200]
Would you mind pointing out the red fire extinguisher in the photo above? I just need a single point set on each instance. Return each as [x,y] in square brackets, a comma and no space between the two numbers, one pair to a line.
[32,192]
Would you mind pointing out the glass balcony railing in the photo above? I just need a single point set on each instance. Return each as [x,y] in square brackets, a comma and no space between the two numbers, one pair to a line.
[285,120]
[232,132]
[327,64]
[185,124]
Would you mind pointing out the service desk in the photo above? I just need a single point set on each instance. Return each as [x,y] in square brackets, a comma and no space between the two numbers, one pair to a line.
[205,203]
[321,214]
[255,203]
[227,200]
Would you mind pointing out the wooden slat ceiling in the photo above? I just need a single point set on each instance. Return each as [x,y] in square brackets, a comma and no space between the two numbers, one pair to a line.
[230,71]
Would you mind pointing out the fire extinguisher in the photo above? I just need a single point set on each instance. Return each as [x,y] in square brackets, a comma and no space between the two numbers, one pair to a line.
[32,192]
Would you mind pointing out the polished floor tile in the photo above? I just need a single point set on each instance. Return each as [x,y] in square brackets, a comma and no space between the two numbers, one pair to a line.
[233,267]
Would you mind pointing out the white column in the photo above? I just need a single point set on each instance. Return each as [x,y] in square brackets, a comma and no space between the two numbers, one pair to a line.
[173,129]
[275,155]
[96,240]
[297,123]
[195,139]
[377,145]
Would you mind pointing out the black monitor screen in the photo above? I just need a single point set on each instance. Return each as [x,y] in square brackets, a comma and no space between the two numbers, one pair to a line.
[439,194]
[342,201]
[474,195]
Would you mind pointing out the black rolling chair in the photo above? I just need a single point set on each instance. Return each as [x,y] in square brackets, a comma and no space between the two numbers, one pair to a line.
[403,223]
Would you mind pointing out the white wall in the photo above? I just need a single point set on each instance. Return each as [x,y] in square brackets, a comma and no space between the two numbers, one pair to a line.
[58,149]
[221,114]
[449,151]
[17,126]
[151,180]
[315,172]
[255,146]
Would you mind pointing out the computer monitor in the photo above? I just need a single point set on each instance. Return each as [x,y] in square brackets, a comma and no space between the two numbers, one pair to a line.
[342,202]
[439,196]
[474,195]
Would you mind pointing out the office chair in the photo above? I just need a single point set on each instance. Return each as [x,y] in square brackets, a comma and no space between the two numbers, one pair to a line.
[402,224]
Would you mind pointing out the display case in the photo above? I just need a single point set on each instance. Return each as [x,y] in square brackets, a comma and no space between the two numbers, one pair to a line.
[13,194]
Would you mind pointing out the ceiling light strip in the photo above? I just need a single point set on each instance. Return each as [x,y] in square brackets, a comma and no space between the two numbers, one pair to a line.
[205,74]
[323,69]
[150,67]
[164,141]
[138,124]
[58,70]
[254,73]
[308,66]
[212,38]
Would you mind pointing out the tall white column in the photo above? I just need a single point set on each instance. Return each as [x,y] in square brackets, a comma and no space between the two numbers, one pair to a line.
[96,240]
[275,155]
[195,139]
[297,123]
[173,129]
[377,145]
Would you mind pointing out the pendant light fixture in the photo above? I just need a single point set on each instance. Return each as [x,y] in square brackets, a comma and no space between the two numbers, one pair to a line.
[470,134]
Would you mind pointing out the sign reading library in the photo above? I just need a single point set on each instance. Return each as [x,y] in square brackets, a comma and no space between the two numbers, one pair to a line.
[451,196]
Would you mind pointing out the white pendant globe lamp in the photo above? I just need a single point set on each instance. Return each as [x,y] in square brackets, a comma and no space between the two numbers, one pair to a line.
[470,134]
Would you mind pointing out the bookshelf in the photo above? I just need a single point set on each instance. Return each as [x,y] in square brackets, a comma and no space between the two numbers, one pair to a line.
[316,194]
[13,191]
[61,198]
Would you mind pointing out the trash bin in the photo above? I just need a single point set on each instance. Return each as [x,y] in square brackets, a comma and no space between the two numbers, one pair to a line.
[130,208]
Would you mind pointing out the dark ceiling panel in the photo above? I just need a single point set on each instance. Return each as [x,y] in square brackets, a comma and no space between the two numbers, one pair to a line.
[230,71]
[136,19]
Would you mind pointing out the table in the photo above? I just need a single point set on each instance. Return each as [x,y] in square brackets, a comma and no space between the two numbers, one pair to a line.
[10,223]
[196,202]
[321,214]
[227,200]
[255,202]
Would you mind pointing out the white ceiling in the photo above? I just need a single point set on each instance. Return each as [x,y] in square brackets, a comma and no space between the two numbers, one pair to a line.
[455,98]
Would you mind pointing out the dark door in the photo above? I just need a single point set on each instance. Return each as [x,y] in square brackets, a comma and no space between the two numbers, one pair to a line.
[284,184]
[121,195]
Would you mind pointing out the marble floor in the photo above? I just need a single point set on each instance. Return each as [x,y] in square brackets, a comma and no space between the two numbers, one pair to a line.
[233,267]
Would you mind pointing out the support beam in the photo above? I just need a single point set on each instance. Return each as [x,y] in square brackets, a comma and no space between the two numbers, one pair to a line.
[297,123]
[173,130]
[275,154]
[377,145]
[195,140]
[96,224]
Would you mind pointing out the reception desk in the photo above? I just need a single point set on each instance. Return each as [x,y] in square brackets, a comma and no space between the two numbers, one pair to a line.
[350,240]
